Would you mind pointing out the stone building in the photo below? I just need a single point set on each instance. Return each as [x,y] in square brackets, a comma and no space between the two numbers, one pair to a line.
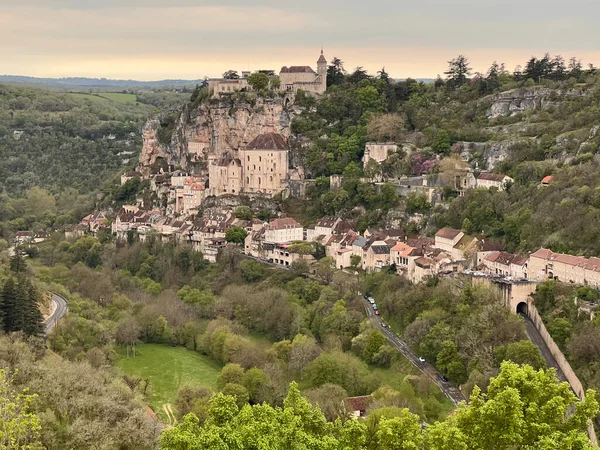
[305,78]
[262,168]
[265,162]
[378,152]
[224,86]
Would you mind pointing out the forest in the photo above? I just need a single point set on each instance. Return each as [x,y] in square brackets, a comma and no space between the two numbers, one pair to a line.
[291,350]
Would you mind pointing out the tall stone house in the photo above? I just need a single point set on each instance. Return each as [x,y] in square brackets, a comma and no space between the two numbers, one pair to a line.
[262,168]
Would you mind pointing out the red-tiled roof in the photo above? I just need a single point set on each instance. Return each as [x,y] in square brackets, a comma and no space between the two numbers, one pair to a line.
[542,253]
[359,403]
[283,223]
[448,233]
[501,257]
[268,141]
[547,180]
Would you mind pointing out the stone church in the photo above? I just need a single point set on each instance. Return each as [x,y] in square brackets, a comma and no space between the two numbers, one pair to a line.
[261,168]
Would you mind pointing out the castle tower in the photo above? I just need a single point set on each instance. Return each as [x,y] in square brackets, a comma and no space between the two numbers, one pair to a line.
[322,71]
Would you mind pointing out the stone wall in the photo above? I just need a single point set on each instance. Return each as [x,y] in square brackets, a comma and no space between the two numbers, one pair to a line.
[560,359]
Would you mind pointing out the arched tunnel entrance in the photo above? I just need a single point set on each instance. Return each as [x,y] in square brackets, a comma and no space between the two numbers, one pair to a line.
[522,309]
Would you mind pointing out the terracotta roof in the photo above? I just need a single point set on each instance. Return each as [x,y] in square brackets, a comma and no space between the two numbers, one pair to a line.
[423,262]
[501,258]
[268,141]
[448,233]
[542,253]
[491,176]
[403,249]
[359,403]
[283,223]
[547,180]
[297,69]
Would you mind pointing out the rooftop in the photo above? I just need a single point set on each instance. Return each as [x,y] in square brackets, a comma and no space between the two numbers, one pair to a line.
[268,141]
[297,69]
[283,223]
[448,233]
[491,177]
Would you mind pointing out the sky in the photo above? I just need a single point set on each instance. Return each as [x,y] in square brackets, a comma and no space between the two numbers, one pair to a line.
[186,39]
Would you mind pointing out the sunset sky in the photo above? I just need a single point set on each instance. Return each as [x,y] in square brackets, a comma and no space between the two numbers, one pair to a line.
[151,39]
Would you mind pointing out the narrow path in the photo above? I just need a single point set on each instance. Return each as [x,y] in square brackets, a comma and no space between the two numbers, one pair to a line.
[446,387]
[166,410]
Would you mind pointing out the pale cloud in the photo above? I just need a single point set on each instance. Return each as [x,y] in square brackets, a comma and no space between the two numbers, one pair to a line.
[149,39]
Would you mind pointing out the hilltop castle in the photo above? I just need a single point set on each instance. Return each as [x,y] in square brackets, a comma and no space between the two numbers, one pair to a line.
[292,79]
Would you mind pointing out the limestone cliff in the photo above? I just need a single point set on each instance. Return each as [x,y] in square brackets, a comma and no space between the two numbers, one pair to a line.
[520,100]
[219,126]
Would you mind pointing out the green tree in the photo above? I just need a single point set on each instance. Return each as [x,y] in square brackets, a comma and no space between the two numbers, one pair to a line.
[236,235]
[19,426]
[522,352]
[230,373]
[458,71]
[258,81]
[252,270]
[244,213]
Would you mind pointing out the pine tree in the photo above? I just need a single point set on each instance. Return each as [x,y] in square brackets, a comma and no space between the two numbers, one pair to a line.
[31,321]
[17,263]
[9,305]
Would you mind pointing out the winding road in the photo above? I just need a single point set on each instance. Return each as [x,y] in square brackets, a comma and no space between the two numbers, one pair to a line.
[447,388]
[59,312]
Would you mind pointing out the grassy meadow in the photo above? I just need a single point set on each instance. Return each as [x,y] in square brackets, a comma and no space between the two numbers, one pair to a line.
[168,368]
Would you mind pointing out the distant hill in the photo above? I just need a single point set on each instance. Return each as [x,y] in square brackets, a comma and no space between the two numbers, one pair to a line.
[97,82]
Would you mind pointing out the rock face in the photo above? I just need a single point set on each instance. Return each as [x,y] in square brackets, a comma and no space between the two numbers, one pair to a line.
[487,153]
[218,127]
[518,101]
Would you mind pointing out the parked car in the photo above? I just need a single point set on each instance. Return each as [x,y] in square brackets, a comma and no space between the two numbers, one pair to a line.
[443,378]
[383,324]
[376,312]
[421,359]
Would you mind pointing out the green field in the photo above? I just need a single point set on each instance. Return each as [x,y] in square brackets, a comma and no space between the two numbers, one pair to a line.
[90,97]
[104,96]
[118,97]
[168,368]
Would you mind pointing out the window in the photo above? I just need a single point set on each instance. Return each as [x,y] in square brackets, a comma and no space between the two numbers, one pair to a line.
[248,157]
[254,166]
[259,181]
[247,180]
[260,159]
[271,178]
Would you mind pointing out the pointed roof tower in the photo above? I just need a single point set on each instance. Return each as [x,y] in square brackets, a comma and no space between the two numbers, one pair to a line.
[321,59]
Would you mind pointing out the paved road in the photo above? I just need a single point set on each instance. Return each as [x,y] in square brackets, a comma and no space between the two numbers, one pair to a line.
[534,336]
[59,312]
[450,391]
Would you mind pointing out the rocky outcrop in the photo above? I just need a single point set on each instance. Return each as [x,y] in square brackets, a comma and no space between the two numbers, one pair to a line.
[520,100]
[487,154]
[220,127]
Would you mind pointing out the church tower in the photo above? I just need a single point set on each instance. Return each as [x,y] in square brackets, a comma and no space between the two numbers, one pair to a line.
[322,71]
